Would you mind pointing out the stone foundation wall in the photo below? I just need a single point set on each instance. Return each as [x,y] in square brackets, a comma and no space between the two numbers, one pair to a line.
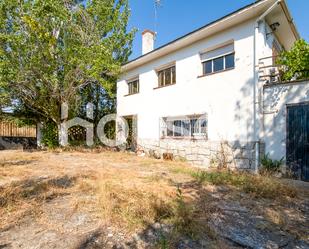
[11,143]
[234,154]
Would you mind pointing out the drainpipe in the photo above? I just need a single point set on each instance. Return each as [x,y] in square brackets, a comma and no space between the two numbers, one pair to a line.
[257,101]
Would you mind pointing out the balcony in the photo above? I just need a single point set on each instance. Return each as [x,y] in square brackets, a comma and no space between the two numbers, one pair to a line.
[270,72]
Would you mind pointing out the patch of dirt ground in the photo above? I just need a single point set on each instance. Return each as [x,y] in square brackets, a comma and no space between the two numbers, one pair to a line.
[111,199]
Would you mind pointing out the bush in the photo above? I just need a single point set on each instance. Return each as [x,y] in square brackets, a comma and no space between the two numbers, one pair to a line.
[295,61]
[50,135]
[269,165]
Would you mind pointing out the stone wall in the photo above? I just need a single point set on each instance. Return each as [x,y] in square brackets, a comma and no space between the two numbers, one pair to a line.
[10,143]
[235,155]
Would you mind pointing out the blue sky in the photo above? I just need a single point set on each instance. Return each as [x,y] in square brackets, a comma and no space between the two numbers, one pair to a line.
[178,17]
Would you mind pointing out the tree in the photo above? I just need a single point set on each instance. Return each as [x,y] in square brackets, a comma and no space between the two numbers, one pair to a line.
[295,61]
[52,49]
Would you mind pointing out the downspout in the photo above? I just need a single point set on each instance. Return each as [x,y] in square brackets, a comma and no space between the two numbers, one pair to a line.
[256,125]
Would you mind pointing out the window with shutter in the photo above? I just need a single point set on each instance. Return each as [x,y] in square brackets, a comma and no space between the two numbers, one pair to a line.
[218,60]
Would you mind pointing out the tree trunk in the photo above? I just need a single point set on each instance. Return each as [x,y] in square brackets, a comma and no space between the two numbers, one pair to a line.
[39,135]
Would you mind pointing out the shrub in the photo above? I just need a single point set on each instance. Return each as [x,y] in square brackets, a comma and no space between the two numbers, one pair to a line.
[269,165]
[50,135]
[295,61]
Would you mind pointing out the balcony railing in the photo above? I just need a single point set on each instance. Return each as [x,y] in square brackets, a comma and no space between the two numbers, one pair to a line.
[269,71]
[272,73]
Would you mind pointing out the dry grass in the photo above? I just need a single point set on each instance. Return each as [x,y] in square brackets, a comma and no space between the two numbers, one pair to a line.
[258,186]
[129,192]
[22,198]
[135,200]
[276,217]
[133,206]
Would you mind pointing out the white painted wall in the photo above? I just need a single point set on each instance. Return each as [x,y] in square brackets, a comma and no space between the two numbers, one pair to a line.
[276,99]
[226,97]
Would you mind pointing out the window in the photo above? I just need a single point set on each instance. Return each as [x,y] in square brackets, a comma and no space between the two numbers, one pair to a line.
[167,76]
[218,60]
[218,64]
[207,67]
[229,61]
[185,127]
[133,86]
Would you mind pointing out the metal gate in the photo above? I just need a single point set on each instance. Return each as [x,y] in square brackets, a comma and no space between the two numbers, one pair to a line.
[297,146]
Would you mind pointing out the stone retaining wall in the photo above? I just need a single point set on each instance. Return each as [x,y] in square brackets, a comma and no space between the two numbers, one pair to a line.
[11,143]
[236,155]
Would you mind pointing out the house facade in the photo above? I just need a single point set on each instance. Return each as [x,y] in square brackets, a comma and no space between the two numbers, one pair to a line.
[201,96]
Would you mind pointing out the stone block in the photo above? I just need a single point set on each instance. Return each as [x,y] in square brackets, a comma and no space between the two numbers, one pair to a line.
[191,157]
[238,153]
[206,162]
[242,163]
[248,154]
[204,151]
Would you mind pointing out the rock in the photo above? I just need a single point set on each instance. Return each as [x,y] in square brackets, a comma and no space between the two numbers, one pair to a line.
[154,154]
[141,154]
[242,229]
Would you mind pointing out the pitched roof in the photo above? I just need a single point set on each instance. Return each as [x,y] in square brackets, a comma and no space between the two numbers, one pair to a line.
[255,8]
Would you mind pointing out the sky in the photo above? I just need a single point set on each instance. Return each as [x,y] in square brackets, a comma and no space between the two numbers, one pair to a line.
[179,17]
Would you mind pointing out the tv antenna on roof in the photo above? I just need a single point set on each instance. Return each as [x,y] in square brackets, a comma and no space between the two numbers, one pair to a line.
[157,5]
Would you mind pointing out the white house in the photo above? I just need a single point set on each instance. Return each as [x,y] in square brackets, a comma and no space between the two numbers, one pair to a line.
[201,96]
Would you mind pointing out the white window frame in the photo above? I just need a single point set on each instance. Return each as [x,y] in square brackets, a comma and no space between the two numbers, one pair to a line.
[171,120]
[211,59]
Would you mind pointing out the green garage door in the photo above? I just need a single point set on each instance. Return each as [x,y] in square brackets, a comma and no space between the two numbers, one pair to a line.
[297,150]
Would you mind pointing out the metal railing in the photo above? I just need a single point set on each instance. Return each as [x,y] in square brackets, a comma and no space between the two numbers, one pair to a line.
[271,73]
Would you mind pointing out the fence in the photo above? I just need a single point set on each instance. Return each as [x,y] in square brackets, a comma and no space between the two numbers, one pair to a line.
[12,130]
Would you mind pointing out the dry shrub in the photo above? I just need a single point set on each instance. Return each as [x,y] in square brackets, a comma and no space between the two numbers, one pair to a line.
[268,187]
[168,156]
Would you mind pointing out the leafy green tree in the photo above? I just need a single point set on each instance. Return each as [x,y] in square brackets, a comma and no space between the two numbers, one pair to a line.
[295,61]
[50,50]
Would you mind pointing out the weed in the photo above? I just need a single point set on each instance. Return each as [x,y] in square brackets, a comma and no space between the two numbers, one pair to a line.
[183,216]
[269,165]
[181,170]
[163,242]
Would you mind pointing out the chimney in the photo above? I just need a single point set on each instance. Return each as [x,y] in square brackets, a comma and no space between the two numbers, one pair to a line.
[148,38]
